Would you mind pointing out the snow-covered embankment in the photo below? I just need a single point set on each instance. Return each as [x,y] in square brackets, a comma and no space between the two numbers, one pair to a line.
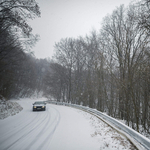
[8,108]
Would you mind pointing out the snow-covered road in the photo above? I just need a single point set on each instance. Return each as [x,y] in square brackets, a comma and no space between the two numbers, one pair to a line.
[57,128]
[36,130]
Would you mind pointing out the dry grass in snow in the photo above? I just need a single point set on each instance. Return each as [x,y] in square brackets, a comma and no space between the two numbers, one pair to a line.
[108,138]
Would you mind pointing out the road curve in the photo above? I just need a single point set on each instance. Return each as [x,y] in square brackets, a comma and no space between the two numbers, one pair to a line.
[29,130]
[57,128]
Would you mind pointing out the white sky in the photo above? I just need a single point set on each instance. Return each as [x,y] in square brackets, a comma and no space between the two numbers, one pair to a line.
[68,18]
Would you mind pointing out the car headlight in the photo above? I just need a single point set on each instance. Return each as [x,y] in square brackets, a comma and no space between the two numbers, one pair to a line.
[43,106]
[34,106]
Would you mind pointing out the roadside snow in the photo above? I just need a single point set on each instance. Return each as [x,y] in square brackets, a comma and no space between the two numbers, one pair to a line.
[107,137]
[8,108]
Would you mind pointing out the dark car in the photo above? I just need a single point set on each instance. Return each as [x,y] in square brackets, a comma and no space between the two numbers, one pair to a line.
[39,105]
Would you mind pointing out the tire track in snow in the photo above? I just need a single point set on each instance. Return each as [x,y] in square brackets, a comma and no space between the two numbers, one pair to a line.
[29,128]
[49,137]
[11,133]
[41,138]
[38,134]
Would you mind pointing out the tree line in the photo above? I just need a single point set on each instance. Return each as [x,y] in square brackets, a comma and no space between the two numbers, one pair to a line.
[108,69]
[21,73]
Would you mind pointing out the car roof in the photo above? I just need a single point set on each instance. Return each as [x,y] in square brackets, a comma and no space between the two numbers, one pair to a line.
[39,102]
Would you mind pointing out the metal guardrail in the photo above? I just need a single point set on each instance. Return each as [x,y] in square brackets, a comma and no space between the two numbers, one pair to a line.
[134,134]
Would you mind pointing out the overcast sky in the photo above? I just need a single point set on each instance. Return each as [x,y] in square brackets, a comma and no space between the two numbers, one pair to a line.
[68,18]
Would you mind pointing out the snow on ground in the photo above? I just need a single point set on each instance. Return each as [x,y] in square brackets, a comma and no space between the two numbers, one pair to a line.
[108,138]
[58,128]
[8,108]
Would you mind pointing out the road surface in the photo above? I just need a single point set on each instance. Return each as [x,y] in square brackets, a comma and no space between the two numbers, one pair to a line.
[57,128]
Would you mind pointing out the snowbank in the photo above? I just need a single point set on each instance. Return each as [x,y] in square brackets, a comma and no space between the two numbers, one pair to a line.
[8,108]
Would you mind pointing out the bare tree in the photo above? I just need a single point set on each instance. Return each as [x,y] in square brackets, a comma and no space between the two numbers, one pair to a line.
[143,18]
[127,45]
[65,57]
[55,82]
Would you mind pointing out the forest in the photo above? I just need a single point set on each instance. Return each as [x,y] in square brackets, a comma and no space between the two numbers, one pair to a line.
[20,72]
[108,70]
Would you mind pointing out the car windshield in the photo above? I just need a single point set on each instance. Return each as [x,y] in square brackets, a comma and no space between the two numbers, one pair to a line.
[39,103]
